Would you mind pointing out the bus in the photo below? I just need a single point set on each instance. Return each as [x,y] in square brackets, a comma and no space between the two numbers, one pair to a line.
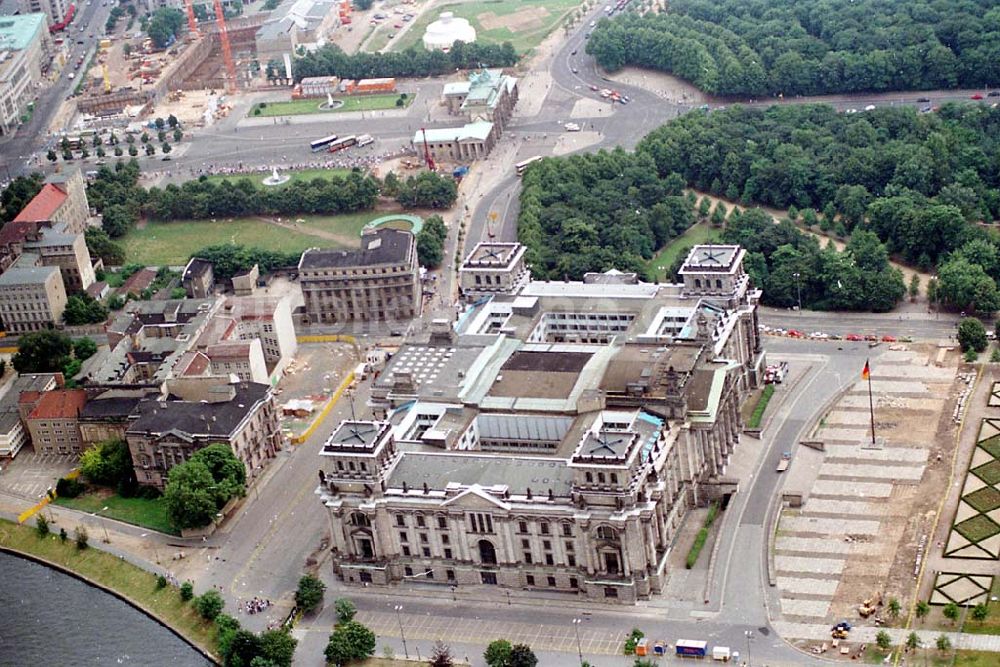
[341,144]
[521,166]
[320,144]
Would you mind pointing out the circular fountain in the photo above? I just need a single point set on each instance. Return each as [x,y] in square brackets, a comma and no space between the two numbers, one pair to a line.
[275,178]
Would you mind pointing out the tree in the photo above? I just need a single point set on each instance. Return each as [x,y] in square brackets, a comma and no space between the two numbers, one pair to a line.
[972,335]
[498,652]
[51,156]
[42,352]
[521,655]
[84,309]
[228,472]
[116,220]
[883,640]
[41,525]
[950,611]
[132,150]
[190,499]
[63,536]
[100,245]
[172,121]
[244,648]
[893,608]
[209,604]
[430,250]
[704,207]
[441,655]
[943,643]
[912,641]
[187,591]
[178,135]
[81,537]
[349,641]
[980,612]
[914,288]
[345,610]
[966,286]
[107,463]
[309,595]
[428,190]
[150,149]
[159,123]
[277,647]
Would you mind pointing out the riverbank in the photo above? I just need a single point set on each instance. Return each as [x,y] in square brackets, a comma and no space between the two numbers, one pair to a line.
[125,581]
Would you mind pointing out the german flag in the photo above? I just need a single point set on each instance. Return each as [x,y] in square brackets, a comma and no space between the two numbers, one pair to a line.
[866,372]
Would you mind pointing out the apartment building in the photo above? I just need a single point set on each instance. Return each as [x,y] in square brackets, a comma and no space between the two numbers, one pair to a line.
[54,421]
[25,50]
[13,434]
[379,282]
[32,297]
[63,198]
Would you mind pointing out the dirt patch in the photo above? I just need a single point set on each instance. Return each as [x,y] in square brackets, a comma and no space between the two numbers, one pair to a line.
[523,20]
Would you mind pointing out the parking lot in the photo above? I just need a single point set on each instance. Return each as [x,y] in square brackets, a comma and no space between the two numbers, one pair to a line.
[29,475]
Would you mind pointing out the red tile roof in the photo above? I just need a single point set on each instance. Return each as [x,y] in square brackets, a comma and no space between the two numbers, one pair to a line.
[60,404]
[44,204]
[16,231]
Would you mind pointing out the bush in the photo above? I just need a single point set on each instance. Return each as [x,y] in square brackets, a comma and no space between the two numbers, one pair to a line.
[972,335]
[699,544]
[758,412]
[209,605]
[41,525]
[69,488]
[187,591]
[633,641]
[63,536]
[82,537]
[161,582]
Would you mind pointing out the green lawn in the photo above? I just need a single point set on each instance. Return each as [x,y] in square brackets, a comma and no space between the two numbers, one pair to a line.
[130,581]
[298,175]
[701,232]
[138,511]
[381,38]
[173,243]
[351,103]
[524,38]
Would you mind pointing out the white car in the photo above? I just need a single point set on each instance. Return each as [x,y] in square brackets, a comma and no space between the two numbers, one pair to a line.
[572,127]
[870,107]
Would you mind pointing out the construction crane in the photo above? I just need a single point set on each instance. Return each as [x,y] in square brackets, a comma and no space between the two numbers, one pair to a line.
[192,21]
[428,160]
[227,51]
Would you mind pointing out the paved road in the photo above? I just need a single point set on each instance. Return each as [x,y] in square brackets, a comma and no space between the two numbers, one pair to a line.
[919,326]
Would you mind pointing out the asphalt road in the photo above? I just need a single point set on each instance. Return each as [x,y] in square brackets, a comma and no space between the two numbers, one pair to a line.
[919,326]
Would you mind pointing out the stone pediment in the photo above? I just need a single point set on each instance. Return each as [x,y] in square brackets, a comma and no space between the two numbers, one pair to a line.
[476,498]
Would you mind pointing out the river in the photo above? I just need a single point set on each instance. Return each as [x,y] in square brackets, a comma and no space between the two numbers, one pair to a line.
[53,619]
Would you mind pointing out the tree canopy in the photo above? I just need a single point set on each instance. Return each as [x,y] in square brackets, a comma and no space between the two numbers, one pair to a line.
[199,487]
[108,463]
[427,190]
[164,25]
[809,47]
[18,193]
[330,60]
[349,641]
[430,242]
[84,309]
[598,211]
[42,352]
[230,258]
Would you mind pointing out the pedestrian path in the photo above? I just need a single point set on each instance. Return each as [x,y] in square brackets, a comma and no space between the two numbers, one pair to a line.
[821,633]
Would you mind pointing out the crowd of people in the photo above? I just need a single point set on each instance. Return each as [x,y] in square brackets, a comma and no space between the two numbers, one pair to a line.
[256,605]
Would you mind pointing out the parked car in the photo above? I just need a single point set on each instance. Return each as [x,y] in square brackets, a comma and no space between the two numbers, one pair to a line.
[888,339]
[853,337]
[977,96]
[795,333]
[993,93]
[923,99]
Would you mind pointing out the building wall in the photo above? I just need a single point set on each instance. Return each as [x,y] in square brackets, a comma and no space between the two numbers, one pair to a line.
[249,368]
[55,436]
[76,209]
[73,260]
[17,88]
[93,432]
[13,440]
[33,306]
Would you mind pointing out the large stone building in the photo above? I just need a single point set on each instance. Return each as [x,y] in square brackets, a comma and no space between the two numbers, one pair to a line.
[295,23]
[553,437]
[25,51]
[488,95]
[493,268]
[32,297]
[379,282]
[192,413]
[63,198]
[56,11]
[54,421]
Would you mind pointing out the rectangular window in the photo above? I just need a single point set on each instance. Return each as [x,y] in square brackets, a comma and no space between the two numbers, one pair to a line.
[569,546]
[567,529]
[447,554]
[546,545]
[548,559]
[430,574]
[450,575]
[530,579]
[527,557]
[571,560]
[408,571]
[610,592]
[406,550]
[442,522]
[445,539]
[522,526]
[552,582]
[403,537]
[423,538]
[420,521]
[525,544]
[545,528]
[573,583]
[426,551]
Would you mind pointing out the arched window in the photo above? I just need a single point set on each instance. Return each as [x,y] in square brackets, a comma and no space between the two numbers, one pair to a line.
[590,478]
[487,553]
[606,533]
[697,282]
[360,520]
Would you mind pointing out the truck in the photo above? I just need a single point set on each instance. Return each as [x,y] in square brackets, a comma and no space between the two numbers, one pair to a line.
[721,653]
[784,461]
[691,648]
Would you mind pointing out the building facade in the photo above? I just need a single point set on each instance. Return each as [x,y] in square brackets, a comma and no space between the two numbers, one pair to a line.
[379,282]
[493,268]
[193,413]
[472,141]
[553,438]
[32,298]
[54,422]
[67,251]
[25,50]
[63,199]
[13,433]
[198,278]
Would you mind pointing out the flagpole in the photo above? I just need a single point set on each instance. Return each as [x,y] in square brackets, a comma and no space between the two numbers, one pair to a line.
[871,403]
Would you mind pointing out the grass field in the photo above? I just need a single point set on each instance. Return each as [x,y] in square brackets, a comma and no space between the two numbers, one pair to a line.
[173,243]
[351,103]
[299,175]
[524,39]
[137,511]
[381,38]
[135,584]
[664,258]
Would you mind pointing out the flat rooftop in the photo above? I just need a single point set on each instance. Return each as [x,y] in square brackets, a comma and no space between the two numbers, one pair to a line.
[710,258]
[539,374]
[519,474]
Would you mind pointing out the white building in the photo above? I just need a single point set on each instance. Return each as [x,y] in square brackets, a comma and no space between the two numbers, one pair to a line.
[442,34]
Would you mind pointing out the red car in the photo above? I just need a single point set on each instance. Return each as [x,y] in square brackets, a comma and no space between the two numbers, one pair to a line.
[977,96]
[795,333]
[888,339]
[853,337]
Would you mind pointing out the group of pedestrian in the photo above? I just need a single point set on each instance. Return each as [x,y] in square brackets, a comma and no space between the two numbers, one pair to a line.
[256,605]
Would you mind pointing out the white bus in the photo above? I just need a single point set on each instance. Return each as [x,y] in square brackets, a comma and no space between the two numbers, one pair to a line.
[521,166]
[320,144]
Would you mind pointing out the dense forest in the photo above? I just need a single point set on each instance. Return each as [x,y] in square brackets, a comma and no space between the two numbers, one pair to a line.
[804,47]
[596,211]
[917,180]
[330,60]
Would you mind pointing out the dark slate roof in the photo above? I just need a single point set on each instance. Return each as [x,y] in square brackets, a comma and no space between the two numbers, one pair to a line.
[553,362]
[113,404]
[385,246]
[197,418]
[196,267]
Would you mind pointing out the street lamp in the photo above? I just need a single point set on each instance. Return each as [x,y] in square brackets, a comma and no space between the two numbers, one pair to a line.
[576,629]
[798,288]
[399,618]
[104,525]
[749,634]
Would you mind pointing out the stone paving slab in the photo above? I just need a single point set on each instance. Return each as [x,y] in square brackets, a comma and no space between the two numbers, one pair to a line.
[904,387]
[803,524]
[820,632]
[901,454]
[810,565]
[860,401]
[895,371]
[851,508]
[825,545]
[848,435]
[897,472]
[848,418]
[808,586]
[813,608]
[829,487]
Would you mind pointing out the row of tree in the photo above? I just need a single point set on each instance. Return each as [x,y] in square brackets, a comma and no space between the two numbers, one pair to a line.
[330,60]
[229,259]
[593,212]
[430,242]
[807,47]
